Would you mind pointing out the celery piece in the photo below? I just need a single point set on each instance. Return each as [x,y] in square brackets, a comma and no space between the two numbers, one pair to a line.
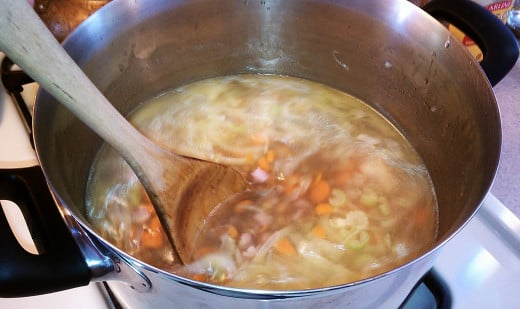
[359,241]
[384,208]
[133,196]
[337,198]
[369,199]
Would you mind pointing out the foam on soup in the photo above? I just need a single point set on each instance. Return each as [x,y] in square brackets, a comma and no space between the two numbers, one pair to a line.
[342,196]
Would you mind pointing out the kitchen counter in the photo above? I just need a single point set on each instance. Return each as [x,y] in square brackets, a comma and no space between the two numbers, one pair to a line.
[507,183]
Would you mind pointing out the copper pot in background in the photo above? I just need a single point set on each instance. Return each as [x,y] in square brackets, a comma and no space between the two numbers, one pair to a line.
[63,16]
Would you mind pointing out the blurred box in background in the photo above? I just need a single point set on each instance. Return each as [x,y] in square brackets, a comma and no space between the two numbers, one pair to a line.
[513,18]
[501,9]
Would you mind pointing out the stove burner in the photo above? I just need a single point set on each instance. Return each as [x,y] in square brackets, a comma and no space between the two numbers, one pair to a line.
[13,80]
[431,292]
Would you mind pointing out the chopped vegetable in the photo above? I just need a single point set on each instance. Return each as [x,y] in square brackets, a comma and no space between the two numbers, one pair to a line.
[369,199]
[259,138]
[134,195]
[357,218]
[250,158]
[151,239]
[269,156]
[323,209]
[319,231]
[152,236]
[199,277]
[319,191]
[232,231]
[264,164]
[337,198]
[384,208]
[260,175]
[284,246]
[359,241]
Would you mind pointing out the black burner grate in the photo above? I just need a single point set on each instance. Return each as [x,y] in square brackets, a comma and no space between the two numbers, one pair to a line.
[13,80]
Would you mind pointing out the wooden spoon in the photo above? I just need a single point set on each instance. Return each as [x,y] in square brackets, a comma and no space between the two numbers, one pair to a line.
[174,183]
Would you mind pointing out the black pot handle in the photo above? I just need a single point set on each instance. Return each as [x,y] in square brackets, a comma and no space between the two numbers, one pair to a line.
[60,264]
[498,44]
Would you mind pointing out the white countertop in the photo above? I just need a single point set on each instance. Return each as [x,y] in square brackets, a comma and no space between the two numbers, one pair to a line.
[507,183]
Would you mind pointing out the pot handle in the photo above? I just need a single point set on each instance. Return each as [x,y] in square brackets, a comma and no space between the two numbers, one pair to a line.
[60,264]
[498,44]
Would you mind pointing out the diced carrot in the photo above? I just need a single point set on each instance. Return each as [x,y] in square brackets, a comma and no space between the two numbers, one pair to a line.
[155,224]
[269,156]
[199,277]
[319,231]
[285,246]
[150,208]
[151,239]
[250,158]
[319,191]
[258,139]
[323,209]
[232,231]
[264,164]
[152,236]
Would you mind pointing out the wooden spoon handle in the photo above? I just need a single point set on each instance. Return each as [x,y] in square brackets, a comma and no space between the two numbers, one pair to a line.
[27,41]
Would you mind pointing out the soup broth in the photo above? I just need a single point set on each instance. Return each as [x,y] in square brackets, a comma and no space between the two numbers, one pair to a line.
[340,194]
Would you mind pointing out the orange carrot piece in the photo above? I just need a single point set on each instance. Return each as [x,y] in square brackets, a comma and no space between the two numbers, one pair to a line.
[269,156]
[152,236]
[151,239]
[264,164]
[199,277]
[232,231]
[259,139]
[155,224]
[323,209]
[319,191]
[319,231]
[285,247]
[250,158]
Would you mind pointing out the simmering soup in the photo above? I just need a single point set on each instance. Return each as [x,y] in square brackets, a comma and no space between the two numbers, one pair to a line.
[340,194]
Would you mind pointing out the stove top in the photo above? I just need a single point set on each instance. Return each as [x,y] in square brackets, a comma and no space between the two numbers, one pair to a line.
[478,268]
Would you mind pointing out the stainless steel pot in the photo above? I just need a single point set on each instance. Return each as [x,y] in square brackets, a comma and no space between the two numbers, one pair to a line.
[389,53]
